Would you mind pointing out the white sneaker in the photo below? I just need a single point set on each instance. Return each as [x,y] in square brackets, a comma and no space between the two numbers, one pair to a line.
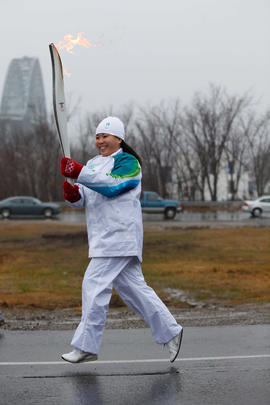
[79,356]
[174,346]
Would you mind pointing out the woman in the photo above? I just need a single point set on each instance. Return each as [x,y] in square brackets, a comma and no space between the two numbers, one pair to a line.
[109,188]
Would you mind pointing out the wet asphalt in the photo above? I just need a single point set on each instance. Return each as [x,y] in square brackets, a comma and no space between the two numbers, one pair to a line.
[217,365]
[185,219]
[238,218]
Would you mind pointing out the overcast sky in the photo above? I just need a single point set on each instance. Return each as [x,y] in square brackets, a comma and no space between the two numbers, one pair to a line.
[151,49]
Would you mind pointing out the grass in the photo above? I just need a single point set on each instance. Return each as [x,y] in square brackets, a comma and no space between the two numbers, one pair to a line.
[224,265]
[42,264]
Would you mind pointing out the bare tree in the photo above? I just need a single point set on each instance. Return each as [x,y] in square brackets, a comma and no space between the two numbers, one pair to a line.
[189,176]
[236,157]
[9,164]
[187,146]
[157,129]
[208,124]
[257,131]
[30,161]
[46,159]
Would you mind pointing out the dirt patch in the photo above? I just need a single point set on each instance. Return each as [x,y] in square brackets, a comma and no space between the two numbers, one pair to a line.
[80,236]
[68,319]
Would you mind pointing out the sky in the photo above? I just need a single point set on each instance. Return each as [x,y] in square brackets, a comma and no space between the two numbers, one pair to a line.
[152,50]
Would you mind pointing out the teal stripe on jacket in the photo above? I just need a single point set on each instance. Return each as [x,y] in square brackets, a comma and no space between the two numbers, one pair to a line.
[125,165]
[114,191]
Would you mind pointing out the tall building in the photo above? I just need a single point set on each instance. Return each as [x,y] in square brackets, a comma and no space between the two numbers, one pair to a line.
[23,100]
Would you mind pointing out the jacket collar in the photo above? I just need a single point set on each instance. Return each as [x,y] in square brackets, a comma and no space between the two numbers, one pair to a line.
[113,154]
[116,153]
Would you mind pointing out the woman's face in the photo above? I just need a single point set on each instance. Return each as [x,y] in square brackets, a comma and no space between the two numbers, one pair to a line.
[107,144]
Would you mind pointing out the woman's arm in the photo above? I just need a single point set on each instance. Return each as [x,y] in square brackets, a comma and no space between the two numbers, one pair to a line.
[124,176]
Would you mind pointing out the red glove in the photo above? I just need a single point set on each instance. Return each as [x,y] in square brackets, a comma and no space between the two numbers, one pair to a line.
[70,168]
[71,193]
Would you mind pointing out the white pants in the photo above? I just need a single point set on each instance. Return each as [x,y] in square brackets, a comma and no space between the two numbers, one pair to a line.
[125,275]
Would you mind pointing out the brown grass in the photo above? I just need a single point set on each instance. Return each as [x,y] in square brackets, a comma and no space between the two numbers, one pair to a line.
[224,265]
[42,264]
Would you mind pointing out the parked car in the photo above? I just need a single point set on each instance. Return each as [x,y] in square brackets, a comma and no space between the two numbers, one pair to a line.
[27,206]
[152,203]
[257,207]
[1,319]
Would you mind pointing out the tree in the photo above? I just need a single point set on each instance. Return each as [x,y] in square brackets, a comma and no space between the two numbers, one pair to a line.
[30,161]
[208,125]
[236,157]
[187,167]
[257,131]
[157,129]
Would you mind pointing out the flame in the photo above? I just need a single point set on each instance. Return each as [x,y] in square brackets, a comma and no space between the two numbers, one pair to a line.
[68,44]
[66,73]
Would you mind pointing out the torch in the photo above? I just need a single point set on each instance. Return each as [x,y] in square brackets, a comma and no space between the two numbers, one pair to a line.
[59,105]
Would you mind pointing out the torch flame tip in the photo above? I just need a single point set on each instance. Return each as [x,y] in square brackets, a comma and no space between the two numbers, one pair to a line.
[69,43]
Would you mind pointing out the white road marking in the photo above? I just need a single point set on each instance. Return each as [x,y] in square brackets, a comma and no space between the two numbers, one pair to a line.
[37,363]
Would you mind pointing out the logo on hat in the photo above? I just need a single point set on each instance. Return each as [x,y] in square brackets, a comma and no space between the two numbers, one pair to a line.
[107,124]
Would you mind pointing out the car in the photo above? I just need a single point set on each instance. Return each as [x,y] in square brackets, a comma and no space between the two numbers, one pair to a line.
[258,206]
[1,319]
[27,206]
[152,203]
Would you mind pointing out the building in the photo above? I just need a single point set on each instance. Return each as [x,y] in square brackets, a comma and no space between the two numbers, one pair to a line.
[23,100]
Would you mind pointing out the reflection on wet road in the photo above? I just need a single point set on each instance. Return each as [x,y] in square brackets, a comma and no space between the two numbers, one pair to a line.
[186,216]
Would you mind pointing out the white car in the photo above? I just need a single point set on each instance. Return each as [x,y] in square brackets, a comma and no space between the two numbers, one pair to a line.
[257,207]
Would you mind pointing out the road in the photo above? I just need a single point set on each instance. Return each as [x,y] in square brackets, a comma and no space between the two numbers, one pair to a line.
[218,365]
[186,217]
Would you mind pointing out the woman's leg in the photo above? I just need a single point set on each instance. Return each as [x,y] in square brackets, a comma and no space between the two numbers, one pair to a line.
[96,295]
[142,299]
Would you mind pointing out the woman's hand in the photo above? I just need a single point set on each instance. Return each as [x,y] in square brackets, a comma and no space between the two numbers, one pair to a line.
[71,193]
[70,168]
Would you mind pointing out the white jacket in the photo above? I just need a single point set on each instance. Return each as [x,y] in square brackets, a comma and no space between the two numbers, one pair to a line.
[110,189]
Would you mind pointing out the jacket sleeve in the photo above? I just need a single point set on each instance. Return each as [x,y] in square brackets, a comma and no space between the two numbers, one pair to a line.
[124,176]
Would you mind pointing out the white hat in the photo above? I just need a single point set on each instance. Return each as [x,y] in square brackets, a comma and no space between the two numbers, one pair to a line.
[112,126]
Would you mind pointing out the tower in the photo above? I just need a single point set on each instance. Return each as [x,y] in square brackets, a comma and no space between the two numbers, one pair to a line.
[23,99]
